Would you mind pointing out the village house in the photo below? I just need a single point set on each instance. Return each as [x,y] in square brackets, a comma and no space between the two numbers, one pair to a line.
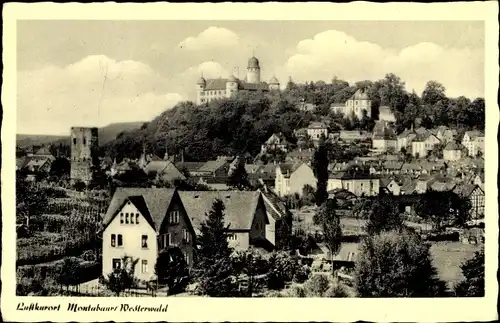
[445,135]
[412,168]
[392,167]
[385,114]
[422,144]
[452,151]
[188,167]
[404,140]
[476,197]
[423,183]
[277,141]
[140,223]
[358,105]
[353,135]
[474,142]
[245,215]
[391,185]
[479,180]
[163,170]
[360,183]
[214,168]
[124,166]
[300,155]
[280,219]
[317,130]
[291,178]
[384,139]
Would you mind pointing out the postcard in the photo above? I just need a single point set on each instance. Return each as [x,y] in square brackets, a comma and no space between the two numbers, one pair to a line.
[249,162]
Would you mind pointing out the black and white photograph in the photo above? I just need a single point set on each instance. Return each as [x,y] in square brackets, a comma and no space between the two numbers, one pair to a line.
[246,158]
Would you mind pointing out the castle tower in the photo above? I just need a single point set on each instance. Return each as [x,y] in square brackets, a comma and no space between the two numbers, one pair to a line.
[200,88]
[274,84]
[84,153]
[231,86]
[253,70]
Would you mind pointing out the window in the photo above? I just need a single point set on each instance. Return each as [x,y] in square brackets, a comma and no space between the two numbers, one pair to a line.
[144,241]
[120,240]
[113,240]
[117,263]
[74,141]
[174,217]
[170,240]
[186,235]
[84,141]
[137,218]
[163,241]
[126,218]
[144,266]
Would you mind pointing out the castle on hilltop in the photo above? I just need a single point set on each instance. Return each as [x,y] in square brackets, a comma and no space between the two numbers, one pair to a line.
[214,89]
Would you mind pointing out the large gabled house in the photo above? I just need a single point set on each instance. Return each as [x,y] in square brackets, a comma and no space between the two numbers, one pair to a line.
[475,195]
[279,228]
[277,141]
[139,223]
[474,142]
[360,183]
[244,214]
[291,178]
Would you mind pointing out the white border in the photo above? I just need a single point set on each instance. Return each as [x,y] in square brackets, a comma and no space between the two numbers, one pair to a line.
[281,309]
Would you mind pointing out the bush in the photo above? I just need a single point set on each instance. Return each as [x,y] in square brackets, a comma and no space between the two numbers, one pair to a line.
[396,264]
[337,290]
[302,274]
[283,268]
[317,285]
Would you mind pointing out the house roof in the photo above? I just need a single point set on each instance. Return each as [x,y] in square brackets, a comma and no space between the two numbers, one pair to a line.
[411,166]
[466,189]
[165,169]
[408,186]
[44,151]
[351,174]
[453,146]
[317,125]
[189,166]
[289,168]
[360,94]
[301,153]
[276,136]
[274,206]
[474,133]
[155,200]
[342,194]
[240,207]
[220,84]
[392,164]
[213,165]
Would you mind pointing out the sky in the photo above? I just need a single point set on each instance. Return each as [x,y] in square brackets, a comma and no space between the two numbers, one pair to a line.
[93,73]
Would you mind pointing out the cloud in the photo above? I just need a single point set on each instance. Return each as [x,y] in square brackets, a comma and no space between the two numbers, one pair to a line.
[210,38]
[335,53]
[94,91]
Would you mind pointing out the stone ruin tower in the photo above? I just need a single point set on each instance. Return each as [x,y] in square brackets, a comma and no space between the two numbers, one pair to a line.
[84,153]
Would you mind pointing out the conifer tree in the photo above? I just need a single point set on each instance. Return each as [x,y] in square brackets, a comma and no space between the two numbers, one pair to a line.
[214,266]
[320,168]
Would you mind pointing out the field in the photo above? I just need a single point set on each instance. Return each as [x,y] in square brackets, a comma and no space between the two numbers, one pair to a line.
[447,258]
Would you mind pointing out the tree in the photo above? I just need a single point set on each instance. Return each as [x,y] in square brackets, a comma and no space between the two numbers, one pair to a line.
[249,264]
[443,207]
[320,168]
[60,167]
[396,264]
[317,285]
[171,269]
[473,271]
[383,215]
[122,278]
[31,199]
[238,176]
[330,223]
[68,272]
[214,267]
[433,93]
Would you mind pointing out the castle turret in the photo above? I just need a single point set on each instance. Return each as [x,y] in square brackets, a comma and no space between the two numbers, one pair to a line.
[274,84]
[200,87]
[84,153]
[231,86]
[253,70]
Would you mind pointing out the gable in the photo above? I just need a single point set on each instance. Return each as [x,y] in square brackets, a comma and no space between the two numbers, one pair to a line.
[156,202]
